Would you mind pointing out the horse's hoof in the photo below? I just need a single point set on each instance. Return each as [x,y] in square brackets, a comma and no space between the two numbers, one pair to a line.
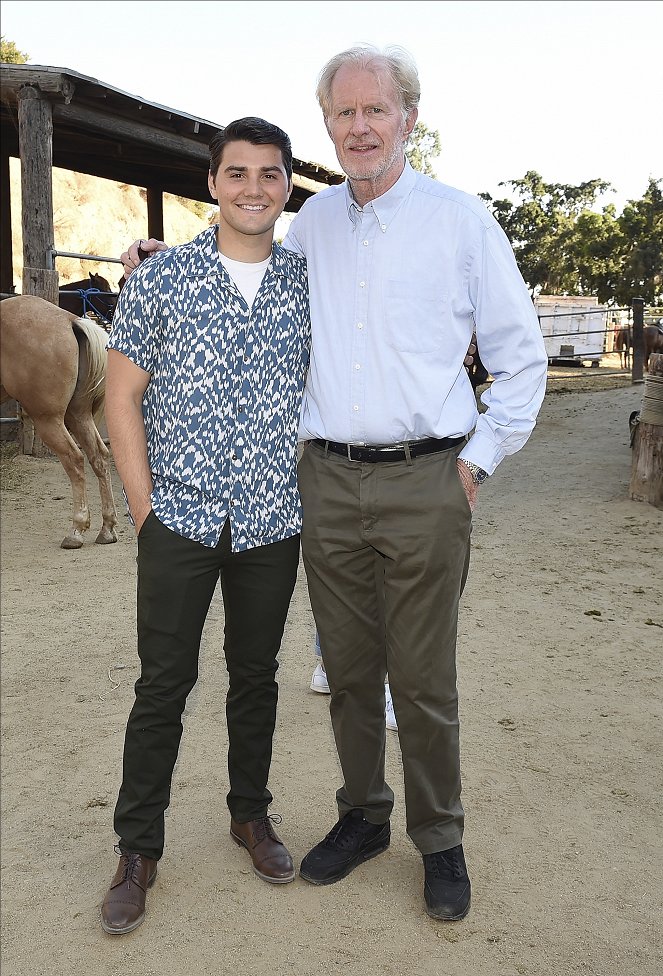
[106,536]
[71,542]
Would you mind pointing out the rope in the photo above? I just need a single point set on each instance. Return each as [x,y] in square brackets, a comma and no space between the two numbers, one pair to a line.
[84,292]
[651,411]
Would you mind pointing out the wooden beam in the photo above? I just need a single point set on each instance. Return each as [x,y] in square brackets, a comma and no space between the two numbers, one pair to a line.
[123,129]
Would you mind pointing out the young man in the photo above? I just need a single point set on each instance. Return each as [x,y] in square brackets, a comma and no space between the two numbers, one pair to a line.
[402,271]
[206,367]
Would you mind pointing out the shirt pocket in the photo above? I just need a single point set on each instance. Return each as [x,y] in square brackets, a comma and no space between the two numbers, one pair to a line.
[416,316]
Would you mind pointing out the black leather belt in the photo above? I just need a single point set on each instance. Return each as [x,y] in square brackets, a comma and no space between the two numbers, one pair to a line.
[390,452]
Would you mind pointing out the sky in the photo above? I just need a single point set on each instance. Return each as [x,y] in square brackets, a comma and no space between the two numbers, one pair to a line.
[572,90]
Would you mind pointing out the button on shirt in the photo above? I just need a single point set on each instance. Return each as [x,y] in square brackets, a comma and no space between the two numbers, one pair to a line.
[222,406]
[397,288]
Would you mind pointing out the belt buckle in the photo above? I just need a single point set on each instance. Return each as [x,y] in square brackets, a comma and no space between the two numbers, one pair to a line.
[348,448]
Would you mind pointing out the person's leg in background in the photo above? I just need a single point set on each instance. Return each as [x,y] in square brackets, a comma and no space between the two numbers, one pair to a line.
[319,681]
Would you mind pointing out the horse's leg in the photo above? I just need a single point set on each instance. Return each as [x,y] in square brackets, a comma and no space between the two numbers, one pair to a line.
[82,426]
[55,436]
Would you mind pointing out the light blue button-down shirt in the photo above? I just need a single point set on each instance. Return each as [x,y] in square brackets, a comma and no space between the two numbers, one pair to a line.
[396,289]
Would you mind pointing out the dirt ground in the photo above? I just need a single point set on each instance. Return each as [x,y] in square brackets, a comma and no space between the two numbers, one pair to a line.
[560,685]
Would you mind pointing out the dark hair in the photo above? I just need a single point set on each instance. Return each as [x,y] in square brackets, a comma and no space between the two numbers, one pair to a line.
[258,133]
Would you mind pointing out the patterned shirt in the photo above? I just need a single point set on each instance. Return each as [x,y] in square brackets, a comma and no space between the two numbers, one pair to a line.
[221,409]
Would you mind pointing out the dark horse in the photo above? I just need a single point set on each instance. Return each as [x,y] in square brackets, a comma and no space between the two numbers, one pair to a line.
[623,344]
[653,336]
[93,295]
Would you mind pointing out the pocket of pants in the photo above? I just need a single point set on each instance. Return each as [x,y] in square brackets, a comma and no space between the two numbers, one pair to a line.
[148,518]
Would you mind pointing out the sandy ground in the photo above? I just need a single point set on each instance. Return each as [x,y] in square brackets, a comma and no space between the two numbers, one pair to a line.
[560,684]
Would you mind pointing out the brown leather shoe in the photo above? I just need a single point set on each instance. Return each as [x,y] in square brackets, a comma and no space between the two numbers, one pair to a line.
[123,908]
[271,860]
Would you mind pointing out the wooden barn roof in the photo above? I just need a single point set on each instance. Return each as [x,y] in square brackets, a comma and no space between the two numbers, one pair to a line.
[103,131]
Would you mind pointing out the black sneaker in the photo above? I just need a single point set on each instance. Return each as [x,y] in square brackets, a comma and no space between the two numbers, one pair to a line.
[351,841]
[447,885]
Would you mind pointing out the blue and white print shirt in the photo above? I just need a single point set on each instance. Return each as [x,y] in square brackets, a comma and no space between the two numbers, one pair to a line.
[222,406]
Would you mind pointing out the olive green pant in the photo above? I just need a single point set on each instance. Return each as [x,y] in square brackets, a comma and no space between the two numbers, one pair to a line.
[416,519]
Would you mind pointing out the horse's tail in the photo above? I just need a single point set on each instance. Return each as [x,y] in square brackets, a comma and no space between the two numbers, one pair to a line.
[92,386]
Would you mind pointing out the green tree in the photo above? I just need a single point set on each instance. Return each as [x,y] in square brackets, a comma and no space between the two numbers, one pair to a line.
[422,146]
[10,54]
[542,229]
[595,251]
[641,228]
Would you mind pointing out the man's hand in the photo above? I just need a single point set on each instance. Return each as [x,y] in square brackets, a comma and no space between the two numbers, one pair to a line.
[471,351]
[471,489]
[140,516]
[138,251]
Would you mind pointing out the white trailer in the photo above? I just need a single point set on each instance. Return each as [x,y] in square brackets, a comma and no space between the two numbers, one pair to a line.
[573,328]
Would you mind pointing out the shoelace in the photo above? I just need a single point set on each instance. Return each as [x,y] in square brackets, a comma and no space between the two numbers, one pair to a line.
[346,833]
[130,865]
[446,863]
[263,828]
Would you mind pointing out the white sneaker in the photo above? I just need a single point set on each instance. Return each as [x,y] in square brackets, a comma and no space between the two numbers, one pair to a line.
[319,681]
[389,715]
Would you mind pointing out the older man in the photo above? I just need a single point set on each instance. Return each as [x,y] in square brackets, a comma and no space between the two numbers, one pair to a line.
[401,270]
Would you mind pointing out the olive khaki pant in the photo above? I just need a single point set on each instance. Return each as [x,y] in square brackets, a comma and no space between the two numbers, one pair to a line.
[176,581]
[415,518]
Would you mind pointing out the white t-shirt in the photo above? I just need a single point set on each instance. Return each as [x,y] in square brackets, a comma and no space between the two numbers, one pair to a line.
[247,277]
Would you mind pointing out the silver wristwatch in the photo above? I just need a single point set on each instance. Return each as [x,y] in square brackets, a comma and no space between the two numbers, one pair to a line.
[478,474]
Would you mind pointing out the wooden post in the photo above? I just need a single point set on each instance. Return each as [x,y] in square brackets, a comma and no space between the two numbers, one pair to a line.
[6,269]
[637,369]
[647,462]
[155,212]
[35,146]
[35,143]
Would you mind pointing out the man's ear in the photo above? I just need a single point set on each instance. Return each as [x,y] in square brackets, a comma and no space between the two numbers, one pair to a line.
[290,189]
[411,121]
[211,187]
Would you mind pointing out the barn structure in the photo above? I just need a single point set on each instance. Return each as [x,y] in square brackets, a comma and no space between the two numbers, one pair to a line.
[58,117]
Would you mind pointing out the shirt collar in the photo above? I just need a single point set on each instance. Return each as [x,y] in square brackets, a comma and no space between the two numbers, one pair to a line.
[384,207]
[203,257]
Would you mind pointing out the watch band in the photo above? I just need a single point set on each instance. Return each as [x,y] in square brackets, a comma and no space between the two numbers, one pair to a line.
[478,474]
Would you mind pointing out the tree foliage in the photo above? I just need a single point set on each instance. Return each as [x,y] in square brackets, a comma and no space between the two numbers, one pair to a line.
[641,226]
[423,146]
[564,246]
[10,54]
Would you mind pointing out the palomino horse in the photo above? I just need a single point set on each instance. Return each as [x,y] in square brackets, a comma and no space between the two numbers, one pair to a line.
[54,365]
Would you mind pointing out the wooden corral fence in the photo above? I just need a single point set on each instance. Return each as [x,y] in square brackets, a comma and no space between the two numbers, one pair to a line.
[581,336]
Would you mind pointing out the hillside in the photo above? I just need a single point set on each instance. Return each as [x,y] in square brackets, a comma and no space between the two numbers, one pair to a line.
[95,216]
